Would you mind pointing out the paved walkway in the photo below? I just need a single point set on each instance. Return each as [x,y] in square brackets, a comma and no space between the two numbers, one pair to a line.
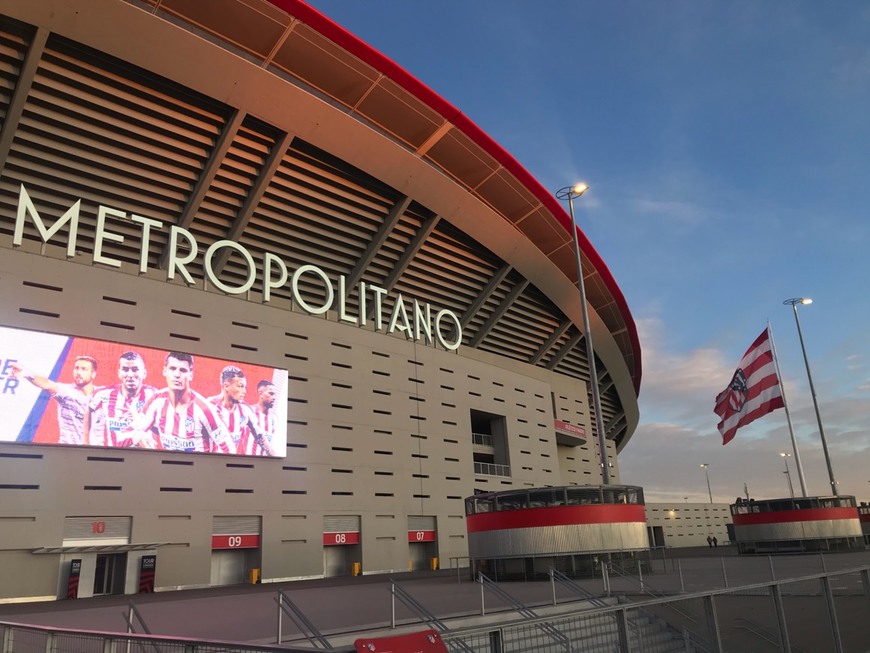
[248,613]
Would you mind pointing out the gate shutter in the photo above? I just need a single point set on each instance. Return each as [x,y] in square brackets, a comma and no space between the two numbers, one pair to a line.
[236,525]
[421,523]
[341,524]
[97,528]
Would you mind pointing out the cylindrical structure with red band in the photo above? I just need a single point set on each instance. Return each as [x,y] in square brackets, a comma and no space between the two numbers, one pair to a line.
[556,522]
[800,524]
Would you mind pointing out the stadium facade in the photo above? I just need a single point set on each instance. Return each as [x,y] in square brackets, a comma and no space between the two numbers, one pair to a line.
[246,183]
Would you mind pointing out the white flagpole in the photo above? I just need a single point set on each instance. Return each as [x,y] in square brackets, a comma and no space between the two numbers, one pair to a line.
[797,455]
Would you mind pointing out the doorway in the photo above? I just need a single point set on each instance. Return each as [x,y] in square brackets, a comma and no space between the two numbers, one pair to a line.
[109,573]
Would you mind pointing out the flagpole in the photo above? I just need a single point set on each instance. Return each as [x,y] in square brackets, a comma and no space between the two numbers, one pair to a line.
[797,455]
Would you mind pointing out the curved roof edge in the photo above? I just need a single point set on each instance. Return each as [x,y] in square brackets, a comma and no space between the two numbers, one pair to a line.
[366,53]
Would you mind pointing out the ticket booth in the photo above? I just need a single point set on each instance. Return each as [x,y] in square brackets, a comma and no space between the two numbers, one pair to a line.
[342,550]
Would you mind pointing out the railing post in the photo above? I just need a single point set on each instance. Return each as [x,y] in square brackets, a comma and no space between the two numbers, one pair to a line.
[50,642]
[772,572]
[553,584]
[496,637]
[865,582]
[622,629]
[680,571]
[832,611]
[640,575]
[8,640]
[712,624]
[482,605]
[280,615]
[776,594]
[724,574]
[393,604]
[129,628]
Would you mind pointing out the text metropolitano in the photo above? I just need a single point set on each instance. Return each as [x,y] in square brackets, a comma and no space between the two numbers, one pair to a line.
[413,319]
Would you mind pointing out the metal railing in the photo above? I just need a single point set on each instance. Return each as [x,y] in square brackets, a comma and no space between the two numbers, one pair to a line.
[729,620]
[483,439]
[611,629]
[491,469]
[287,607]
[22,638]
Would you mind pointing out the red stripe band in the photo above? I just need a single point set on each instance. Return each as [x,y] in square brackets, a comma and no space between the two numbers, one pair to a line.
[555,516]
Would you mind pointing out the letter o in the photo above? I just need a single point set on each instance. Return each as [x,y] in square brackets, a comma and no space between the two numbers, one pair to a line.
[297,297]
[209,270]
[449,346]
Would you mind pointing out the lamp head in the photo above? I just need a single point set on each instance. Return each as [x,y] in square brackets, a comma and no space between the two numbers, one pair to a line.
[794,301]
[570,192]
[785,455]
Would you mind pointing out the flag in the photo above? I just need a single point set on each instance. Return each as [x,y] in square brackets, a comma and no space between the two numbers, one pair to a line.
[753,392]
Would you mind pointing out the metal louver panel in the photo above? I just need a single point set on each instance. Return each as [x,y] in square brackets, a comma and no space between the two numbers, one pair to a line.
[236,525]
[111,134]
[98,529]
[421,522]
[341,524]
[14,40]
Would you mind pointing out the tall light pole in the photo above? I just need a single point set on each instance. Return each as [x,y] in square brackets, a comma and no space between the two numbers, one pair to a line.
[707,474]
[794,301]
[785,457]
[569,193]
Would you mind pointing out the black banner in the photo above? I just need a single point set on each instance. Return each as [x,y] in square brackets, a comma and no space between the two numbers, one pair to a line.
[72,584]
[147,569]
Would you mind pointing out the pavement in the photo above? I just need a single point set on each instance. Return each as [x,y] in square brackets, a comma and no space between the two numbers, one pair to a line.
[342,608]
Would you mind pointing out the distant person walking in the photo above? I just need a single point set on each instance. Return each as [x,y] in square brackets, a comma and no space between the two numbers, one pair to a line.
[710,541]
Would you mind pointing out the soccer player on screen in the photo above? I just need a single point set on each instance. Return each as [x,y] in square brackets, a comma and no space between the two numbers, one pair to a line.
[72,398]
[112,409]
[238,417]
[178,418]
[264,411]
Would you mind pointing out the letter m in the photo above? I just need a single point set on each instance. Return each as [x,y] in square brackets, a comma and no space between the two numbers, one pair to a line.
[26,207]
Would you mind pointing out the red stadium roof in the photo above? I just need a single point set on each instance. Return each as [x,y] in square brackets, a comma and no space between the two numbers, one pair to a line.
[411,84]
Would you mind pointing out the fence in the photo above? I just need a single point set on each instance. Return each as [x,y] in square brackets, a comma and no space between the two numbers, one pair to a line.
[822,612]
[819,612]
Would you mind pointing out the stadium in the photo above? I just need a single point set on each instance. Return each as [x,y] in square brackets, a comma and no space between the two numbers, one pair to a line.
[211,207]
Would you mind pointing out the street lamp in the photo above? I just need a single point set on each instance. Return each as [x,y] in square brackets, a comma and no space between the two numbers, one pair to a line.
[569,193]
[707,474]
[785,457]
[794,301]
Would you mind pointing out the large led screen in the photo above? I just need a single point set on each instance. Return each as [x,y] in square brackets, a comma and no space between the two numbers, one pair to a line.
[77,391]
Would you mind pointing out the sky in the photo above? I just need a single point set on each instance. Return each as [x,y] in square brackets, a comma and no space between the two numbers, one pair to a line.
[727,150]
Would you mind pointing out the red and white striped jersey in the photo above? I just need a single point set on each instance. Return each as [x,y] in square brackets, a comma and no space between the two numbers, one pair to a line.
[242,426]
[194,426]
[112,412]
[266,424]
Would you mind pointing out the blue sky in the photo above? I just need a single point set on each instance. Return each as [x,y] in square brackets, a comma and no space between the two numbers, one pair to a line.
[727,146]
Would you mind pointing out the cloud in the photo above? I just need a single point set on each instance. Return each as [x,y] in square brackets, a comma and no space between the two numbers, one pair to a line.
[679,211]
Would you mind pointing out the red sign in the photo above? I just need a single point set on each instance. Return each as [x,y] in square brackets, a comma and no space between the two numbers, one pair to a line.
[426,642]
[421,536]
[571,429]
[340,539]
[235,541]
